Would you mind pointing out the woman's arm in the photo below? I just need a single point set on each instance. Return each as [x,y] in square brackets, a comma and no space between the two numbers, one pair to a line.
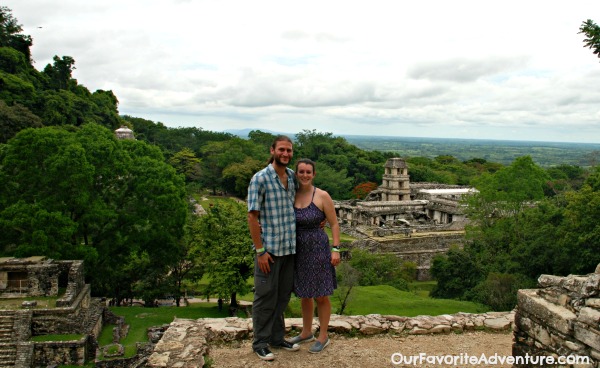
[329,210]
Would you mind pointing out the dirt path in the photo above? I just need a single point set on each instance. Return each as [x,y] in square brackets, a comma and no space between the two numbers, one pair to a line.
[372,351]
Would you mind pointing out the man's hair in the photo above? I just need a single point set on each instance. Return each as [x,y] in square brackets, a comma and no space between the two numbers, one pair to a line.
[279,138]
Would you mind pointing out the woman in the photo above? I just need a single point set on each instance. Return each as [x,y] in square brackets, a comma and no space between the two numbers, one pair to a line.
[314,273]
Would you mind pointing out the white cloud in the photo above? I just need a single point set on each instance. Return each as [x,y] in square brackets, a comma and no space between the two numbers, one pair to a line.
[476,69]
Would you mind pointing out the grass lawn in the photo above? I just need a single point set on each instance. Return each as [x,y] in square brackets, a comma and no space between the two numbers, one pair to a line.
[140,318]
[381,299]
[384,299]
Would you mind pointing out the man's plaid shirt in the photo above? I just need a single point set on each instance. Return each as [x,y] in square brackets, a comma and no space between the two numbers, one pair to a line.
[267,195]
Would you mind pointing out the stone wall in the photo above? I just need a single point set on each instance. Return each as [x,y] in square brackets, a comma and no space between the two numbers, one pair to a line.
[75,281]
[562,318]
[65,320]
[43,279]
[53,353]
[186,342]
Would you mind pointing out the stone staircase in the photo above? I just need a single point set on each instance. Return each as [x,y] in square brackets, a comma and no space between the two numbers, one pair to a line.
[8,349]
[8,355]
[7,322]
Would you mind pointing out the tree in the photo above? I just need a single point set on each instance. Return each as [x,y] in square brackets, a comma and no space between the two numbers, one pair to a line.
[14,119]
[348,278]
[236,176]
[60,72]
[360,191]
[188,267]
[10,33]
[455,272]
[222,237]
[187,164]
[592,31]
[336,183]
[217,156]
[381,269]
[79,193]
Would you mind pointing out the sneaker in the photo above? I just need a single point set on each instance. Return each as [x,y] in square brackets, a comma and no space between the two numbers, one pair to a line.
[299,340]
[318,347]
[264,354]
[286,346]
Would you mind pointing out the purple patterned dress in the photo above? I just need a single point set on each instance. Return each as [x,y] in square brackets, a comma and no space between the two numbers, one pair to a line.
[314,275]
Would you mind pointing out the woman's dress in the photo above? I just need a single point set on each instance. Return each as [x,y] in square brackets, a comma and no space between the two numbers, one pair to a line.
[314,275]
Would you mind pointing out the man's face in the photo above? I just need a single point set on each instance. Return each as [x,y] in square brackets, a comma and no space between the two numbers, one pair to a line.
[282,153]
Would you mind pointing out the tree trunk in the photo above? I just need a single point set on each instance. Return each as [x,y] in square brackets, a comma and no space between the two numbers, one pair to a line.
[233,305]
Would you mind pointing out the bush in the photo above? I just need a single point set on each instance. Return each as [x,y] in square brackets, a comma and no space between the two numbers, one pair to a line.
[455,272]
[499,290]
[381,269]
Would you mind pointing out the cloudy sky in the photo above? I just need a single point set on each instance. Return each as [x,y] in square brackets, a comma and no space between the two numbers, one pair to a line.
[434,68]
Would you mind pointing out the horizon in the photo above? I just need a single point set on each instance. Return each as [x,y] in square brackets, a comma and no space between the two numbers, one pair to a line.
[245,131]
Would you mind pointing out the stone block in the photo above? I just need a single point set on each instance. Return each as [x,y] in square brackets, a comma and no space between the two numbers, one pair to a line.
[587,335]
[574,346]
[440,329]
[593,302]
[557,317]
[574,283]
[589,316]
[549,281]
[418,331]
[368,329]
[340,326]
[591,286]
[497,323]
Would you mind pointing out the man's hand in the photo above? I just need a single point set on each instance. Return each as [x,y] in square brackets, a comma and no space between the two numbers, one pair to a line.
[264,262]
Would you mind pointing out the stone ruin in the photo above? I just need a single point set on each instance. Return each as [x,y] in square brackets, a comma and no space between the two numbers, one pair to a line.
[412,221]
[73,312]
[560,319]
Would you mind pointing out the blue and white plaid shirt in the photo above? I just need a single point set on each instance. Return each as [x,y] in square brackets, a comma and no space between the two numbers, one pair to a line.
[267,195]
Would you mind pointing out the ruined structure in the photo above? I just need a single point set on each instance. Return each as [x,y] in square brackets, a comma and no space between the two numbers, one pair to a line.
[124,133]
[414,221]
[71,312]
[561,319]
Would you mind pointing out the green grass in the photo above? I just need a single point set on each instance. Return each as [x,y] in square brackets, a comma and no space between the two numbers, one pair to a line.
[140,318]
[422,288]
[365,300]
[384,299]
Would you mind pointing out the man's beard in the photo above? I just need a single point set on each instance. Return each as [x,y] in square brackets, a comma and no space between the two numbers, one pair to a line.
[279,163]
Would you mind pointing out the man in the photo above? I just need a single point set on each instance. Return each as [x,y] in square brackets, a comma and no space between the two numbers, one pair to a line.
[272,224]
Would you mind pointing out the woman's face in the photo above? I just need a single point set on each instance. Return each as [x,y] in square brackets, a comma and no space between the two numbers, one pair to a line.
[305,174]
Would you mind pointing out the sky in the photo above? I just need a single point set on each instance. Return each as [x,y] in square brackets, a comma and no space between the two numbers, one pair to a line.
[515,70]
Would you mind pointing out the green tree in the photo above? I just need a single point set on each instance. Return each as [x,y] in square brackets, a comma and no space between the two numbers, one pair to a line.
[499,290]
[10,33]
[187,164]
[592,32]
[236,176]
[381,269]
[14,119]
[222,237]
[336,183]
[80,193]
[217,156]
[60,72]
[455,272]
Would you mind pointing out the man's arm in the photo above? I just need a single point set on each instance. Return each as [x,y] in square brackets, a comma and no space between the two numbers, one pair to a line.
[254,226]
